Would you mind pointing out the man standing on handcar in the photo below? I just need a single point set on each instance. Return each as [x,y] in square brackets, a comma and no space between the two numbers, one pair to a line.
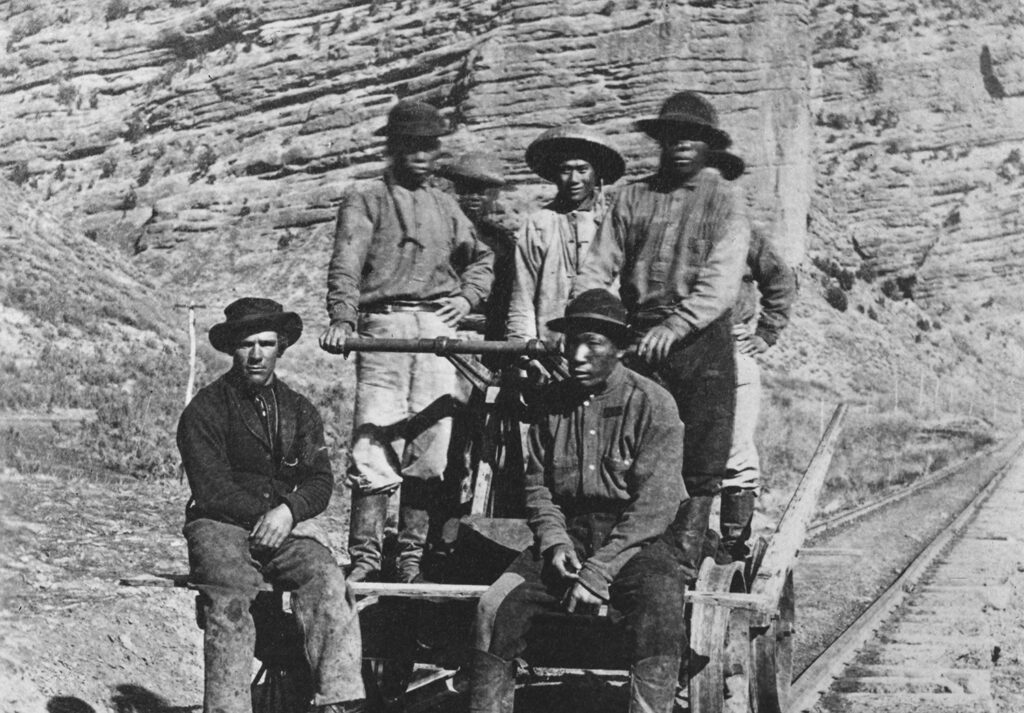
[677,241]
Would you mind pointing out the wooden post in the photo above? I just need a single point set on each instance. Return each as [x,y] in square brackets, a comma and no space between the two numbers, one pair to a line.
[190,385]
[778,560]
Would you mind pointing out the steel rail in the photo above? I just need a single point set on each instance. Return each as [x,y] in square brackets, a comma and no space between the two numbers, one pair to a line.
[815,680]
[854,514]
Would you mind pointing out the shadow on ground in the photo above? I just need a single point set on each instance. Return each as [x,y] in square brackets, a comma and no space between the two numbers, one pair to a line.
[127,698]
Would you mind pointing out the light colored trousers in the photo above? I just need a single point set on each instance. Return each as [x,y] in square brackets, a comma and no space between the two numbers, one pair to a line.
[403,405]
[744,467]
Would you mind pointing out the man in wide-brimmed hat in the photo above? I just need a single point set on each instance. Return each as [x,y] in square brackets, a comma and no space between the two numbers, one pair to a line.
[602,484]
[257,465]
[553,240]
[406,264]
[478,178]
[677,241]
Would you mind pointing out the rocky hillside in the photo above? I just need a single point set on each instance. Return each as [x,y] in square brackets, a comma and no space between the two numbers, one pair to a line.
[83,337]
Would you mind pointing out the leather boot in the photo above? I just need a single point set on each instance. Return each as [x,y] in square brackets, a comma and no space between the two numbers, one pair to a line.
[413,528]
[734,523]
[652,684]
[687,534]
[492,683]
[366,535]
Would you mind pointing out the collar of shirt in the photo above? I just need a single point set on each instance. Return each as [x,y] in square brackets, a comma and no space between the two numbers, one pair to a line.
[663,183]
[561,205]
[615,379]
[405,200]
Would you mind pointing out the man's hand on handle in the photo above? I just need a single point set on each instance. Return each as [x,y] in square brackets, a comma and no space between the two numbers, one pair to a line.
[333,338]
[272,527]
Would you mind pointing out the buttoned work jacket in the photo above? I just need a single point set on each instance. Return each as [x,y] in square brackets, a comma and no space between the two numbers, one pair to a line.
[603,471]
[236,474]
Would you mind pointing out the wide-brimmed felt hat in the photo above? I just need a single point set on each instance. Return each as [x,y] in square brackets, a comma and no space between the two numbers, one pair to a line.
[251,315]
[478,168]
[414,119]
[574,141]
[690,114]
[595,310]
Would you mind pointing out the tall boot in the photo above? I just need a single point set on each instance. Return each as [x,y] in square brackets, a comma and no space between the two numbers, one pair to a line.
[686,534]
[492,683]
[652,684]
[736,515]
[413,528]
[366,535]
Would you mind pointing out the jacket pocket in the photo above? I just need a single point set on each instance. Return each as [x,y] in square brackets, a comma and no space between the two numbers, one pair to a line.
[564,475]
[616,472]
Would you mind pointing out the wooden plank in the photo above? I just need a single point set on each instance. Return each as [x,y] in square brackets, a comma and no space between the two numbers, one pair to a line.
[176,579]
[789,535]
[421,590]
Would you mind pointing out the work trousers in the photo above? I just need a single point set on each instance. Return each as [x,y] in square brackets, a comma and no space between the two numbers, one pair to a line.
[700,373]
[229,575]
[743,469]
[404,404]
[647,593]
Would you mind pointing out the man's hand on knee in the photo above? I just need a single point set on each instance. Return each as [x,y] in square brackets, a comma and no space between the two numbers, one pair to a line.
[565,561]
[581,595]
[272,527]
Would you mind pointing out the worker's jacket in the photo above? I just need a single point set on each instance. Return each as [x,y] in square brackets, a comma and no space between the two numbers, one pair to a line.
[549,250]
[678,251]
[392,244]
[239,467]
[603,472]
[769,283]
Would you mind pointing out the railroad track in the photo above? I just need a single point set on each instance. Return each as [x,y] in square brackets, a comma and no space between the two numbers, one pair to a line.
[929,641]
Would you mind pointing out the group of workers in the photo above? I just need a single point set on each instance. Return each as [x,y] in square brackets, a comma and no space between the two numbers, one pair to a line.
[623,458]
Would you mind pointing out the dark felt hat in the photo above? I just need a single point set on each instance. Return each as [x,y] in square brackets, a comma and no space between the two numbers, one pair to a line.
[414,119]
[479,168]
[595,310]
[690,113]
[575,141]
[251,315]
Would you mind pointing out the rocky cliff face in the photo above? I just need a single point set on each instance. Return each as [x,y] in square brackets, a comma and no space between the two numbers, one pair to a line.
[920,147]
[213,140]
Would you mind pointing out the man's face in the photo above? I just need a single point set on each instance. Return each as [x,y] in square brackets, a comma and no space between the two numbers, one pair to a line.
[412,158]
[256,357]
[474,198]
[575,180]
[683,156]
[591,356]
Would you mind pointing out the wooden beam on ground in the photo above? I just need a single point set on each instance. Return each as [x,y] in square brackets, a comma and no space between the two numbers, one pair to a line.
[789,535]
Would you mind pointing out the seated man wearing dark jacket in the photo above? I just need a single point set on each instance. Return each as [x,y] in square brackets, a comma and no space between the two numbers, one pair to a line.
[257,465]
[602,484]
